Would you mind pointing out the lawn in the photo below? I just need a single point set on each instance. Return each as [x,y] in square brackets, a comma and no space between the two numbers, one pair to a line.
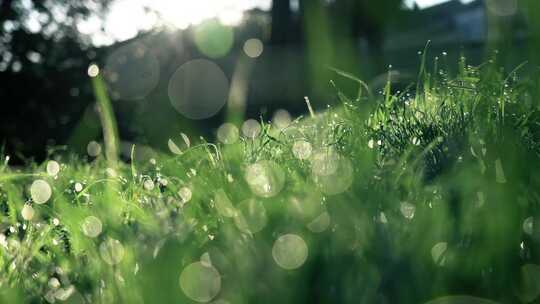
[424,195]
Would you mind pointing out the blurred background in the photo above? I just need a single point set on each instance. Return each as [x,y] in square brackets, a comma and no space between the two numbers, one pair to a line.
[174,66]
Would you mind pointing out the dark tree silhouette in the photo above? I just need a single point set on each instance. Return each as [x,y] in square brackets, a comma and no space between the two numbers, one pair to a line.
[44,87]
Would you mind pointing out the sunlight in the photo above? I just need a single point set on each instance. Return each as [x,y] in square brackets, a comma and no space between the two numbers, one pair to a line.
[127,17]
[422,4]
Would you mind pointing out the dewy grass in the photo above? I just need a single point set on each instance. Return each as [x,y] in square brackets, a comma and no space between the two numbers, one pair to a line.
[427,195]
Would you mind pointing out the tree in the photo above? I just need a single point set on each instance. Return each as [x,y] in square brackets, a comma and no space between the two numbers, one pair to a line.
[43,65]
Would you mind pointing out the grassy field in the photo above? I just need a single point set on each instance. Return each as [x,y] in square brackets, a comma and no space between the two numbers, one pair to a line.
[429,195]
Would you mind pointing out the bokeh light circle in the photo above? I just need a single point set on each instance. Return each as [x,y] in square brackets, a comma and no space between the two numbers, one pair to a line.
[228,133]
[185,194]
[251,128]
[198,89]
[91,226]
[93,148]
[302,149]
[320,223]
[290,251]
[331,172]
[53,167]
[27,212]
[214,39]
[111,251]
[252,216]
[253,47]
[502,7]
[131,72]
[40,191]
[200,282]
[265,178]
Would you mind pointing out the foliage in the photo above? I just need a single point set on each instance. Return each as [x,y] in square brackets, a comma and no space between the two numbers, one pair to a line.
[401,197]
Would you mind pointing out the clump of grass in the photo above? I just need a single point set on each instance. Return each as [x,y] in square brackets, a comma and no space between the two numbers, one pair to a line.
[393,198]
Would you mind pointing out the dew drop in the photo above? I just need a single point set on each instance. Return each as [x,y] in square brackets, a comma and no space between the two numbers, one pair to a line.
[93,70]
[407,210]
[185,194]
[148,184]
[437,253]
[173,147]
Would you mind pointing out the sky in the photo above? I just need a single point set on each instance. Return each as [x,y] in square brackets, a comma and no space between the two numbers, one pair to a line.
[128,17]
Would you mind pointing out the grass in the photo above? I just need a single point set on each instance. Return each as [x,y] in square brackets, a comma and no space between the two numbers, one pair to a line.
[426,195]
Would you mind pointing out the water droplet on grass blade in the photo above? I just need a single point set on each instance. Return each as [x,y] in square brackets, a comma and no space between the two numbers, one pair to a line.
[53,283]
[185,194]
[302,149]
[186,140]
[173,147]
[200,282]
[148,184]
[290,251]
[40,191]
[91,226]
[93,70]
[111,251]
[407,210]
[437,253]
